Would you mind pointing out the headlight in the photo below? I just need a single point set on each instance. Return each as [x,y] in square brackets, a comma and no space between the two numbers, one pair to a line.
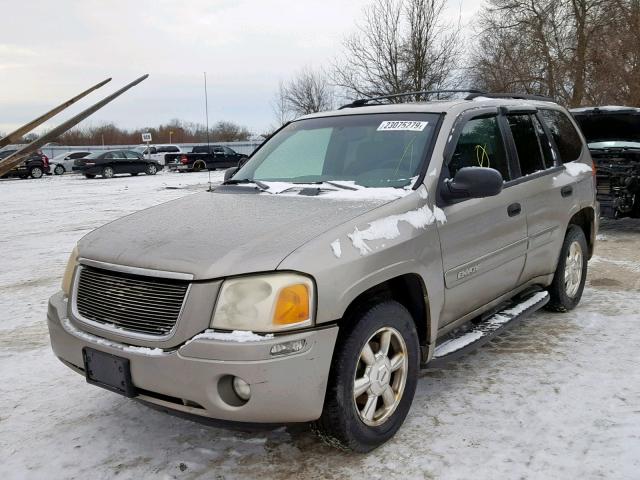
[68,272]
[265,303]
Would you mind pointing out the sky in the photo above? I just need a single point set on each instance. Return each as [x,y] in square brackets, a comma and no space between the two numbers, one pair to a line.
[52,50]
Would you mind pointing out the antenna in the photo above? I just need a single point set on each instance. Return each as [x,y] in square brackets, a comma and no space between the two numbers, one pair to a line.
[206,111]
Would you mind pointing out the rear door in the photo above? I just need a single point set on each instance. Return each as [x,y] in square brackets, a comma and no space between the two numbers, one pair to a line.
[120,162]
[484,240]
[549,192]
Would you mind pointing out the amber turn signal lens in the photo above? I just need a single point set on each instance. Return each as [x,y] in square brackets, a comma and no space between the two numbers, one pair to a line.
[292,305]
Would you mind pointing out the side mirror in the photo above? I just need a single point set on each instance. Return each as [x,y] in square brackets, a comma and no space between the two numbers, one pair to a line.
[473,182]
[228,173]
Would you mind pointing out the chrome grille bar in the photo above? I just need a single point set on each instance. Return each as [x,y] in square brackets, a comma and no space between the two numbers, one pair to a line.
[144,305]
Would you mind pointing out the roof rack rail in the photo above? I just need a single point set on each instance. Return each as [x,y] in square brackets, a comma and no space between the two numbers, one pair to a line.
[517,96]
[362,102]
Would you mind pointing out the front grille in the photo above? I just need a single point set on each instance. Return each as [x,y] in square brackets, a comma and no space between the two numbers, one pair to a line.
[146,305]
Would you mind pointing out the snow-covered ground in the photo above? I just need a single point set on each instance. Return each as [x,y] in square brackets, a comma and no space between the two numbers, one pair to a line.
[557,396]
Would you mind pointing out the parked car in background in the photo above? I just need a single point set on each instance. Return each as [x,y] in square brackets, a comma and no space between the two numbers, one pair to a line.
[115,162]
[613,136]
[159,153]
[36,165]
[63,163]
[206,157]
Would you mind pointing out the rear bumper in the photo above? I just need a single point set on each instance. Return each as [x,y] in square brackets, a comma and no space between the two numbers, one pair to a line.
[193,378]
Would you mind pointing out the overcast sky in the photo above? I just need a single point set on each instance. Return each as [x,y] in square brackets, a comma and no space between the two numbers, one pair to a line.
[52,50]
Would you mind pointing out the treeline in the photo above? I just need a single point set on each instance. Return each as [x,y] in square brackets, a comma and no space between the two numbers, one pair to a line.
[176,131]
[580,52]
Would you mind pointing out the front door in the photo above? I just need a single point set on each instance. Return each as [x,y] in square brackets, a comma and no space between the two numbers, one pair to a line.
[484,240]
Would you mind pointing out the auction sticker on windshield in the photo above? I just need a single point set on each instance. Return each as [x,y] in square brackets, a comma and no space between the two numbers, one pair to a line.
[407,125]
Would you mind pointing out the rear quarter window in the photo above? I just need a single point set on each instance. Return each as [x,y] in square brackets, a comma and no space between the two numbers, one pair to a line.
[564,134]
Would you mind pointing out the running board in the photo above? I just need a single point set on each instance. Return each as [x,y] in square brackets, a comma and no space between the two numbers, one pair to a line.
[480,334]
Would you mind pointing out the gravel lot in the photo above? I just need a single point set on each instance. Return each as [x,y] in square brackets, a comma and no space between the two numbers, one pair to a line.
[557,396]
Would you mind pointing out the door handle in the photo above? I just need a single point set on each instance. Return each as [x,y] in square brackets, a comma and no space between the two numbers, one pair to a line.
[566,191]
[514,209]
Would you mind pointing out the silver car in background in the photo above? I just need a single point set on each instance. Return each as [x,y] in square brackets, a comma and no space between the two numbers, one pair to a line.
[63,163]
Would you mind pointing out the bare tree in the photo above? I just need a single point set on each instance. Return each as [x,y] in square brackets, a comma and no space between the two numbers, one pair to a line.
[401,46]
[307,92]
[542,47]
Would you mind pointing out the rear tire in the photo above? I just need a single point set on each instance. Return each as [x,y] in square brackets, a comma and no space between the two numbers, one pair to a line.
[107,172]
[199,166]
[371,386]
[151,169]
[571,273]
[59,170]
[36,172]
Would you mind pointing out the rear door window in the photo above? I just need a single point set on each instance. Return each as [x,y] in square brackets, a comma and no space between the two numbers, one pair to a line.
[527,143]
[480,145]
[564,134]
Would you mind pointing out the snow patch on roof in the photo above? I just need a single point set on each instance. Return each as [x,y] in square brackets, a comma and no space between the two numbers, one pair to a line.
[576,168]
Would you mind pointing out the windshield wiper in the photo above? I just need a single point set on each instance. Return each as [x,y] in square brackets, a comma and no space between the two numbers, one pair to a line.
[328,182]
[338,185]
[233,181]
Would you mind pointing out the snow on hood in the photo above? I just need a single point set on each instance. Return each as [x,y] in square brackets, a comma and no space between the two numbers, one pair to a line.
[352,191]
[387,228]
[212,235]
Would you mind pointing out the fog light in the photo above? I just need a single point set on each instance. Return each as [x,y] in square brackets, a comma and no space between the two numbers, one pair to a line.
[241,388]
[288,347]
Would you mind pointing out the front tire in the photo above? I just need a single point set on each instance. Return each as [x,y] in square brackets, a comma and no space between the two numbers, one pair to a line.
[372,380]
[571,273]
[59,170]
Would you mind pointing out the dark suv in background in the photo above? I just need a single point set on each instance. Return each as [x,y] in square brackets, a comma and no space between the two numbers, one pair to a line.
[613,136]
[113,162]
[35,166]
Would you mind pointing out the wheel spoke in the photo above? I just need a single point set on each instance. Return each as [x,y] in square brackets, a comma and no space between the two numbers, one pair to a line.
[367,355]
[397,361]
[385,341]
[360,386]
[369,409]
[388,397]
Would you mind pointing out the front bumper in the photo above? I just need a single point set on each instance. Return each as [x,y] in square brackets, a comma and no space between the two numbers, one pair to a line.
[191,378]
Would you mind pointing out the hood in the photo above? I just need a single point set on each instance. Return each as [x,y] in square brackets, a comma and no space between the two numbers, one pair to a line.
[212,235]
[609,125]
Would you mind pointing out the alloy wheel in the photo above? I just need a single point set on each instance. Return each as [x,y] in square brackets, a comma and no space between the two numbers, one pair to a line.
[573,269]
[380,377]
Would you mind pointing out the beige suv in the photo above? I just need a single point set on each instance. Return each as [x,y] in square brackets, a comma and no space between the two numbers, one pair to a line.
[352,249]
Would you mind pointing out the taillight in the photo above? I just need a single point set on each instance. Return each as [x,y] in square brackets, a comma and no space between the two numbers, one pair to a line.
[184,160]
[45,160]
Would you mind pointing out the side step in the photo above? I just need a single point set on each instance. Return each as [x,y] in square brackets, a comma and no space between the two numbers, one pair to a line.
[480,334]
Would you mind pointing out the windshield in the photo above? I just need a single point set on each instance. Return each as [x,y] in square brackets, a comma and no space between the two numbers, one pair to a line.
[608,127]
[372,150]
